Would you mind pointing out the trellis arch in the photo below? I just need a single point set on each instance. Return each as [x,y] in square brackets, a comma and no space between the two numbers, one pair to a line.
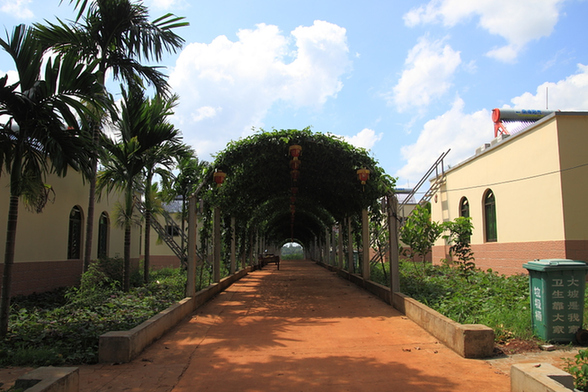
[258,171]
[258,187]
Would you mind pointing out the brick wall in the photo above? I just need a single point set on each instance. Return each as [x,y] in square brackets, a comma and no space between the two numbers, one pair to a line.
[157,262]
[38,277]
[41,276]
[508,258]
[406,250]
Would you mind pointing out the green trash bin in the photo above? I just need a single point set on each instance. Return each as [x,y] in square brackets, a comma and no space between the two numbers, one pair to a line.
[557,298]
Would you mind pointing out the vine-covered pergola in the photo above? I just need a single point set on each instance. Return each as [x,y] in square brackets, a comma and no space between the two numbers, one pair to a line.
[291,185]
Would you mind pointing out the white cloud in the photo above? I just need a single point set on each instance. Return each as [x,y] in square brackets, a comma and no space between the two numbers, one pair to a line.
[205,112]
[168,4]
[429,69]
[17,8]
[366,138]
[226,87]
[506,54]
[568,94]
[461,132]
[12,76]
[518,22]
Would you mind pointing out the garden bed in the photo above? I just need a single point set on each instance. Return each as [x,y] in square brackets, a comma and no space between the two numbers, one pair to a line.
[63,327]
[477,297]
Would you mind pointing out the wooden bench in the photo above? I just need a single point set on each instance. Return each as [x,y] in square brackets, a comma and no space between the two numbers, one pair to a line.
[269,258]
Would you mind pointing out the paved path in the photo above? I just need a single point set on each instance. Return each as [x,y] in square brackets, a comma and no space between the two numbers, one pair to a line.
[301,328]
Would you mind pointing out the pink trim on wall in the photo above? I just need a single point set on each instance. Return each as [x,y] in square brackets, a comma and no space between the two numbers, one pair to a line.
[508,258]
[41,276]
[157,262]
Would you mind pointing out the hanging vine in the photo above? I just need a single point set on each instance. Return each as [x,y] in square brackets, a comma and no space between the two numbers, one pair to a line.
[257,189]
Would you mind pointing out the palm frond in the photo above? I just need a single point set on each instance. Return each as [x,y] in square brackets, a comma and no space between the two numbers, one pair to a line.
[120,35]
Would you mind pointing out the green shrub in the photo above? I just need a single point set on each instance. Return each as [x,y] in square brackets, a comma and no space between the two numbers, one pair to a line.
[578,367]
[42,334]
[293,256]
[478,297]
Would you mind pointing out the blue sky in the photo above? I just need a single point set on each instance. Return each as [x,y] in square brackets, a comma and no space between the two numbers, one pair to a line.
[405,79]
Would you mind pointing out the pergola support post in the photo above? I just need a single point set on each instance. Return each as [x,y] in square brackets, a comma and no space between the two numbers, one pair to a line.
[217,245]
[243,253]
[350,264]
[333,258]
[392,203]
[365,246]
[327,247]
[233,246]
[191,279]
[316,249]
[251,251]
[341,255]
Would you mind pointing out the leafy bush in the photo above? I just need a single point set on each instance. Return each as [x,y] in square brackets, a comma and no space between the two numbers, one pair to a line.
[293,256]
[66,330]
[479,297]
[460,232]
[419,233]
[578,367]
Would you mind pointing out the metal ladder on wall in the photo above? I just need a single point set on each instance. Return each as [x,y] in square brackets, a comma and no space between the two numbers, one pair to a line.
[167,235]
[439,170]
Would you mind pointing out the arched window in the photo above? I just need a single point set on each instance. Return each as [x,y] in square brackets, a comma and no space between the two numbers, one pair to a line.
[464,207]
[464,210]
[490,216]
[74,242]
[103,230]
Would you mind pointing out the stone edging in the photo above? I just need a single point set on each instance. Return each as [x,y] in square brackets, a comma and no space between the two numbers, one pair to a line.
[539,377]
[50,379]
[468,340]
[124,346]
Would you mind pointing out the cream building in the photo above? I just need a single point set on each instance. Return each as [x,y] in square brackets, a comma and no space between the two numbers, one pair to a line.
[525,194]
[50,245]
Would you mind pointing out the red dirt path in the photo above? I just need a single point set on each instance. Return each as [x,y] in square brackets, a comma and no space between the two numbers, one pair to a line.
[301,328]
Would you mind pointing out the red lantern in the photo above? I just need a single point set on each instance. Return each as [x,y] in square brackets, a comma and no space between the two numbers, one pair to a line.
[295,164]
[294,190]
[219,177]
[295,174]
[292,199]
[292,209]
[295,151]
[363,175]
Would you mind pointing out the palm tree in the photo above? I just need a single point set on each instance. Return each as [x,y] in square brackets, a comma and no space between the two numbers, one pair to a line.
[143,137]
[159,159]
[118,34]
[191,175]
[41,133]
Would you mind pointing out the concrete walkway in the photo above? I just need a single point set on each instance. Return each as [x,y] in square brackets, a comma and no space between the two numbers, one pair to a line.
[301,328]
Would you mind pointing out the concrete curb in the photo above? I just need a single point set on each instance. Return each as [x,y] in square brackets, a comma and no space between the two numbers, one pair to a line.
[50,379]
[124,346]
[539,377]
[467,340]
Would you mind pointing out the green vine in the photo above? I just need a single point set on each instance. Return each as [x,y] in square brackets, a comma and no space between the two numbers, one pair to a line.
[257,189]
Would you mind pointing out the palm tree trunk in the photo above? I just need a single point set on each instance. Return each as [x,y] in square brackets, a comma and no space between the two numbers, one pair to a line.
[146,260]
[15,191]
[148,209]
[8,263]
[184,250]
[91,199]
[127,241]
[127,259]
